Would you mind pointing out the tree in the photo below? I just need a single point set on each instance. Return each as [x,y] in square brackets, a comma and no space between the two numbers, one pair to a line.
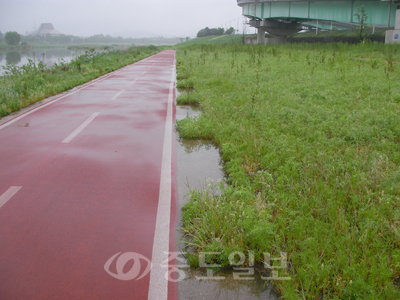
[230,31]
[12,38]
[217,31]
[361,17]
[207,32]
[204,32]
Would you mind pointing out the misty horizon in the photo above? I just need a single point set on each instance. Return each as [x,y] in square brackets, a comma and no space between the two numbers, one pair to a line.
[128,19]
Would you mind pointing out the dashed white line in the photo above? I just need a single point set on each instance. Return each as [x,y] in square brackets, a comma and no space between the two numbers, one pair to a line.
[79,129]
[117,95]
[9,194]
[62,97]
[158,287]
[134,81]
[144,72]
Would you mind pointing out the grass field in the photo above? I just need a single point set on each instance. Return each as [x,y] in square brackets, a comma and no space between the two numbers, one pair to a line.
[24,85]
[238,38]
[221,39]
[342,33]
[310,139]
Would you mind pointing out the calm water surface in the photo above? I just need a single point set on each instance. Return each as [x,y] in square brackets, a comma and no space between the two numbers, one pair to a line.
[48,56]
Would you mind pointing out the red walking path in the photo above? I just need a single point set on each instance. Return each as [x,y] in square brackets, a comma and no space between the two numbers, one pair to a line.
[87,190]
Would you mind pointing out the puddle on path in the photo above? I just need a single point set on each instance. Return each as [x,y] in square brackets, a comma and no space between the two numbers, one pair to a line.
[197,161]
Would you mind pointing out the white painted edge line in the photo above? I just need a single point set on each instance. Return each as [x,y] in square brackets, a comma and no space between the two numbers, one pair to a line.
[158,287]
[134,81]
[79,129]
[9,194]
[118,94]
[85,85]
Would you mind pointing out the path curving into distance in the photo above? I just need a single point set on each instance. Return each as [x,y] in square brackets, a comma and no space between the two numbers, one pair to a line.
[88,190]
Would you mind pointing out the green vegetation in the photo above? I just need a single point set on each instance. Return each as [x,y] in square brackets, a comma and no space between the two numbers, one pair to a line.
[24,46]
[70,41]
[97,39]
[238,38]
[210,31]
[32,82]
[361,17]
[367,32]
[310,139]
[214,32]
[12,38]
[221,39]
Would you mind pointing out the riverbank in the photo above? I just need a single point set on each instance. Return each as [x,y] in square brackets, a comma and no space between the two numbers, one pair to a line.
[27,84]
[28,46]
[310,139]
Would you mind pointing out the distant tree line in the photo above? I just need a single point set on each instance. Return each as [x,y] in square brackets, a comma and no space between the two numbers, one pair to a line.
[13,38]
[62,38]
[214,31]
[98,39]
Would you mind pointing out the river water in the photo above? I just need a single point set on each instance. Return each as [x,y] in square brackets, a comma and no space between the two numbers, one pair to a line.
[48,56]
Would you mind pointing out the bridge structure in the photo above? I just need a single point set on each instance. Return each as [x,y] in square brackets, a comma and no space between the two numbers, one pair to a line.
[281,18]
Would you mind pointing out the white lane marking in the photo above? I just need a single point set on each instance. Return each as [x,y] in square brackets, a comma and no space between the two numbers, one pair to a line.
[134,81]
[79,129]
[158,288]
[144,72]
[9,194]
[62,97]
[118,94]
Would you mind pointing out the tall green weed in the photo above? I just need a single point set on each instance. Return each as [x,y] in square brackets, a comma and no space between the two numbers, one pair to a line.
[310,139]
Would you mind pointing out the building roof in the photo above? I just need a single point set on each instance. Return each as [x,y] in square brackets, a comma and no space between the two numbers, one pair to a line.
[44,29]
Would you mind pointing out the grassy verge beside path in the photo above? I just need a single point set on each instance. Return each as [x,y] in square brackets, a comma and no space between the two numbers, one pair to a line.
[22,86]
[310,138]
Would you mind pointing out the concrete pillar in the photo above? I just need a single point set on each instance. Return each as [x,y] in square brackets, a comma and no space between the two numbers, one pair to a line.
[280,39]
[393,36]
[261,36]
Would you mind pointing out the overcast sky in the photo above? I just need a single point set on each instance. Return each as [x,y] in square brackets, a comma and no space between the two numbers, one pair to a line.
[168,18]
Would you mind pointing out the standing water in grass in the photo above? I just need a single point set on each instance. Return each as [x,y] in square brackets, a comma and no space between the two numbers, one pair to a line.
[310,141]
